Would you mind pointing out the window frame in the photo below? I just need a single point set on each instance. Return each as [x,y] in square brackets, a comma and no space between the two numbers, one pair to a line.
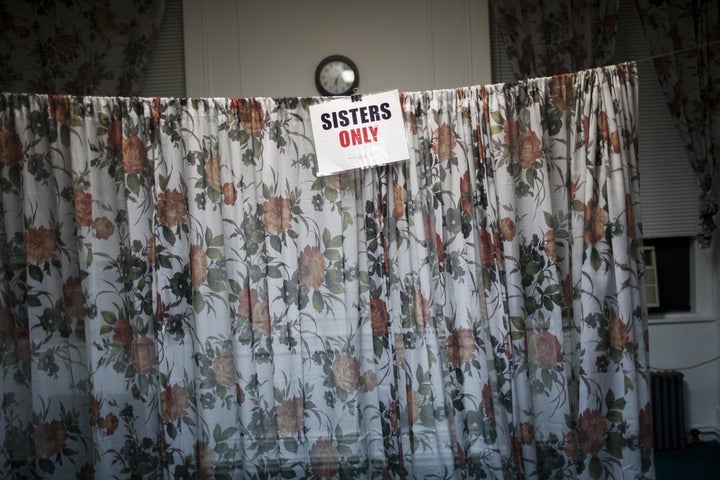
[703,289]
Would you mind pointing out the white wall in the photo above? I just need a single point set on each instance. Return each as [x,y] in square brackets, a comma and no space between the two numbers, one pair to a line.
[682,340]
[252,48]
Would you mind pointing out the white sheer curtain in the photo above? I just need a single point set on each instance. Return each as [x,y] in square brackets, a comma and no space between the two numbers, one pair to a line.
[183,298]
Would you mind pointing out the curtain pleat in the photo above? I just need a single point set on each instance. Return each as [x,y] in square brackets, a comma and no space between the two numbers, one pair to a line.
[183,297]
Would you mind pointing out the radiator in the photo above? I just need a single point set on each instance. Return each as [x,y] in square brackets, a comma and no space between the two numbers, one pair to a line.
[668,409]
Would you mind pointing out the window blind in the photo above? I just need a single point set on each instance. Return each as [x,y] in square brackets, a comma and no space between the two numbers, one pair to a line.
[668,189]
[165,72]
[668,186]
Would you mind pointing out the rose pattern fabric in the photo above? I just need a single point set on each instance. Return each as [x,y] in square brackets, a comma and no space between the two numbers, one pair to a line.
[142,354]
[544,350]
[346,371]
[83,208]
[277,215]
[174,403]
[312,267]
[556,37]
[290,414]
[40,245]
[122,332]
[379,318]
[324,459]
[474,312]
[50,438]
[171,208]
[11,154]
[224,369]
[77,47]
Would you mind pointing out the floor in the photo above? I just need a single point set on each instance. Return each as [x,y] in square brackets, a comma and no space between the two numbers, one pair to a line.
[696,462]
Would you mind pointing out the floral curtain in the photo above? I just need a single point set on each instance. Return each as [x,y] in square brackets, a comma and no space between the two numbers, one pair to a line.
[555,37]
[684,38]
[79,47]
[182,297]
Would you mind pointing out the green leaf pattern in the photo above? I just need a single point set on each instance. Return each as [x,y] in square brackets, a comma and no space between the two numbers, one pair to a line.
[183,298]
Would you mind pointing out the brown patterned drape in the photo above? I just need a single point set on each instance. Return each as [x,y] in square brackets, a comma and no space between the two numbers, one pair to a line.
[554,37]
[685,37]
[78,47]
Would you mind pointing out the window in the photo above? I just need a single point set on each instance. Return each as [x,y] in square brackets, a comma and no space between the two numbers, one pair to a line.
[667,274]
[165,73]
[651,279]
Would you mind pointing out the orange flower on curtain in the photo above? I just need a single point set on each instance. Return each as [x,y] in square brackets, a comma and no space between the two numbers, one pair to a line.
[473,312]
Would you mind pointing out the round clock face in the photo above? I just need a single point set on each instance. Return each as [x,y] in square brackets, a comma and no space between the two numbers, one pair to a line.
[336,75]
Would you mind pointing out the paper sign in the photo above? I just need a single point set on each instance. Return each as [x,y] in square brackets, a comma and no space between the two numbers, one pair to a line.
[359,133]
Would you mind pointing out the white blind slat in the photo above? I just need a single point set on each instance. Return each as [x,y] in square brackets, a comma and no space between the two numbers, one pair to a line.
[165,72]
[668,186]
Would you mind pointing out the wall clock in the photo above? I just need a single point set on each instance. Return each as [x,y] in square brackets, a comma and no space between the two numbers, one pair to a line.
[336,75]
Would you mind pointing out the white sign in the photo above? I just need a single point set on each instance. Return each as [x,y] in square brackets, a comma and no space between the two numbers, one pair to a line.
[360,133]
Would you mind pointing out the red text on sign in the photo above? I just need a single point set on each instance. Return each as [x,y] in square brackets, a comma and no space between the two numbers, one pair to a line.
[358,136]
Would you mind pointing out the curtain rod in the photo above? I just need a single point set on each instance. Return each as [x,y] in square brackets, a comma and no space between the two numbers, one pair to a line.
[683,50]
